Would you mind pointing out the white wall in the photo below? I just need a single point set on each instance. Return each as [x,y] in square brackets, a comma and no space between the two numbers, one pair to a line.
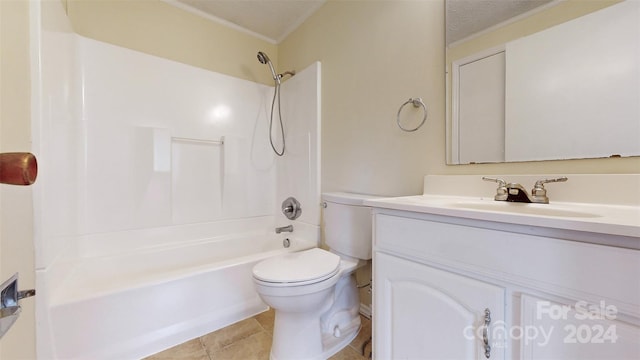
[16,211]
[139,170]
[299,168]
[57,129]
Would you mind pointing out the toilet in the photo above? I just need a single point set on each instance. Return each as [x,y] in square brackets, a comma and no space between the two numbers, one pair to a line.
[313,292]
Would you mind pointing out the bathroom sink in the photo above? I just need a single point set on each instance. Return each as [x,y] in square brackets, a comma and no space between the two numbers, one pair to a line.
[607,220]
[566,210]
[581,208]
[523,208]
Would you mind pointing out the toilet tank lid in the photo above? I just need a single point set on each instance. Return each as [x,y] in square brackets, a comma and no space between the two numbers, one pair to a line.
[348,198]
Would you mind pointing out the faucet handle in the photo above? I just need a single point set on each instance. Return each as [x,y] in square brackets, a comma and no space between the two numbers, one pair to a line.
[539,193]
[500,182]
[540,183]
[501,191]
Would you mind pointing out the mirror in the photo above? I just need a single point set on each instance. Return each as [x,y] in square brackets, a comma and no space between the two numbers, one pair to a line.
[531,80]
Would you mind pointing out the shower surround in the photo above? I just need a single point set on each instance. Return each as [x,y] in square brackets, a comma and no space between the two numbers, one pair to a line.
[159,190]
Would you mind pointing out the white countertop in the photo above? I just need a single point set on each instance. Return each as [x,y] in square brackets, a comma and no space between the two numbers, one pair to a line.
[621,220]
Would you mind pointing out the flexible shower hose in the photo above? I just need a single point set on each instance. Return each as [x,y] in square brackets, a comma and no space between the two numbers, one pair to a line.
[276,93]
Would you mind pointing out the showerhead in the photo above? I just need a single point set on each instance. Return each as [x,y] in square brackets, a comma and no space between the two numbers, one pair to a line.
[264,59]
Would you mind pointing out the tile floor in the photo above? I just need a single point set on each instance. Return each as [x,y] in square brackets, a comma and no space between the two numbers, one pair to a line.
[250,339]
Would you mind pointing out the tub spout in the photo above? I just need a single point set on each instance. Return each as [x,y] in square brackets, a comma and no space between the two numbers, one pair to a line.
[284,229]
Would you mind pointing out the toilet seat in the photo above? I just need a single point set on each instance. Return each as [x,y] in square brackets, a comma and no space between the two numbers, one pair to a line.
[298,268]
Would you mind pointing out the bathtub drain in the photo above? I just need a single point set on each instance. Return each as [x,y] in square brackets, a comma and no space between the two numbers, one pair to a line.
[286,243]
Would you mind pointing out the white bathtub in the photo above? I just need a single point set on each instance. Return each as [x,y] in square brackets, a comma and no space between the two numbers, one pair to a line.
[132,305]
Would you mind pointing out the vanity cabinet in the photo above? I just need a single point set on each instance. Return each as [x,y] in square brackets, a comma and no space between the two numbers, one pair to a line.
[549,297]
[426,311]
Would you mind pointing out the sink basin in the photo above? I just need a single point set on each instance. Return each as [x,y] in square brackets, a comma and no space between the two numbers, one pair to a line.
[522,208]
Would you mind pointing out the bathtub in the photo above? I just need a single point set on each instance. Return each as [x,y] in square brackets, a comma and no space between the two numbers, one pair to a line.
[131,305]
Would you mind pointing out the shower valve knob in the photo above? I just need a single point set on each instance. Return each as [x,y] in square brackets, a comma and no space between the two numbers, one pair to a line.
[291,208]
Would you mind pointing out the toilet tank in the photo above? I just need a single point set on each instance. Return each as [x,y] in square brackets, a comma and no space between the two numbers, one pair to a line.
[347,224]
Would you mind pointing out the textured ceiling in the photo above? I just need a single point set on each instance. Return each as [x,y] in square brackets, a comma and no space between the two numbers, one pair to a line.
[466,17]
[275,19]
[272,19]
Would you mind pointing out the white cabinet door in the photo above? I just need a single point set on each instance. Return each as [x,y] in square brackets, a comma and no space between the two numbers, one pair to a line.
[577,330]
[425,313]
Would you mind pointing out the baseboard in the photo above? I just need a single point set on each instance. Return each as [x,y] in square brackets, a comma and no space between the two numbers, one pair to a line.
[365,310]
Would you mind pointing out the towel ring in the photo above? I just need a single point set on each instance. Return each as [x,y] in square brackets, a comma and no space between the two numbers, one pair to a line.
[417,102]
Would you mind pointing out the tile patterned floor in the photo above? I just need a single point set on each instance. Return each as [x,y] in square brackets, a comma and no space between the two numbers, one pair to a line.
[250,339]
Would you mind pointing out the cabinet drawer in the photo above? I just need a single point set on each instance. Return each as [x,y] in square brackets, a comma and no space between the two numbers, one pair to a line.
[575,270]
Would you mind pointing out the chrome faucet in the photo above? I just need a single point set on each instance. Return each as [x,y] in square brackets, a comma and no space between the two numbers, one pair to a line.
[288,228]
[539,193]
[501,191]
[515,192]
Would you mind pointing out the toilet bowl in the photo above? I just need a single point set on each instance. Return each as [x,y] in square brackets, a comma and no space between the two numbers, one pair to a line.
[313,292]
